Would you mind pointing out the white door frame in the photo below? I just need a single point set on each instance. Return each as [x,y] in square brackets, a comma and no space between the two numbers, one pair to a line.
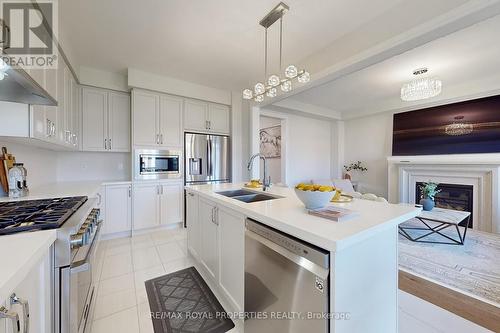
[254,139]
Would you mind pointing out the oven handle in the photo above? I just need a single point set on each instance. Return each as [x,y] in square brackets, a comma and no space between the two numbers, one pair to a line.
[84,265]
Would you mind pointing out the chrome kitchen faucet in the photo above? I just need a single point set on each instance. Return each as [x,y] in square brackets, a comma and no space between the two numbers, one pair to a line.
[266,182]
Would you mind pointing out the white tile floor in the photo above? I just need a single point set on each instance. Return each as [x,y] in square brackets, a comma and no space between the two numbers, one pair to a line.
[122,304]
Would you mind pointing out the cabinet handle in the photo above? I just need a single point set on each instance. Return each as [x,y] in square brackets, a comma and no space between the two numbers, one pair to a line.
[129,191]
[209,124]
[157,189]
[48,129]
[13,316]
[161,138]
[105,143]
[109,144]
[157,139]
[26,311]
[161,186]
[190,194]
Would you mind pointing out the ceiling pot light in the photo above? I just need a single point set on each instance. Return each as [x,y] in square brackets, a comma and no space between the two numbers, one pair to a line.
[421,88]
[291,71]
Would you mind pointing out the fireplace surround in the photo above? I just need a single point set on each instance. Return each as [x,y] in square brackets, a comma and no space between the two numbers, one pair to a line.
[478,171]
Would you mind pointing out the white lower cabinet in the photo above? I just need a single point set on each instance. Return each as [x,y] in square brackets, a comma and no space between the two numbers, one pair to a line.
[216,238]
[146,202]
[193,225]
[210,239]
[118,209]
[232,252]
[157,203]
[37,290]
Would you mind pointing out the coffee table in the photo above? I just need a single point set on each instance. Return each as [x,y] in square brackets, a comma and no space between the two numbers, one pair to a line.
[437,220]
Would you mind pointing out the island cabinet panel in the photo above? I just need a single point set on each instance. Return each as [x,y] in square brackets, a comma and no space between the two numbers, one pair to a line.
[37,290]
[210,239]
[193,225]
[232,252]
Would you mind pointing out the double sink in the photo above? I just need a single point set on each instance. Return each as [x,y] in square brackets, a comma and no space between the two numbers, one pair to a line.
[247,196]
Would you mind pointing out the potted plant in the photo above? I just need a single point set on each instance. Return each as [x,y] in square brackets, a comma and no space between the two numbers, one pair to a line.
[429,191]
[357,166]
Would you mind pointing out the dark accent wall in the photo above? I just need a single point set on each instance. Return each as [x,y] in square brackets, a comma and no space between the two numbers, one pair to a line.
[422,132]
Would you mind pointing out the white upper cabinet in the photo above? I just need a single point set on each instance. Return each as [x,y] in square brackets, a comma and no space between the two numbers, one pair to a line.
[206,117]
[218,118]
[170,121]
[145,109]
[106,120]
[95,105]
[119,121]
[195,115]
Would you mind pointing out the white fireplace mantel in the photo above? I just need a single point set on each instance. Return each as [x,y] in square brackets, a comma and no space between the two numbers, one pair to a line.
[481,171]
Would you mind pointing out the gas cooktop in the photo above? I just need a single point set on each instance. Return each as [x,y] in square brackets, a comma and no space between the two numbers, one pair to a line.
[28,215]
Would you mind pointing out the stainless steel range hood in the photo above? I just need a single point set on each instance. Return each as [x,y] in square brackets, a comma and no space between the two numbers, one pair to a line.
[18,86]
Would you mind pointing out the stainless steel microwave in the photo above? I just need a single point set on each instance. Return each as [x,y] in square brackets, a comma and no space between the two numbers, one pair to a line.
[157,164]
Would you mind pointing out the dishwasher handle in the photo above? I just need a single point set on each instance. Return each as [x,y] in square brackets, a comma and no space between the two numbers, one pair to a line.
[298,260]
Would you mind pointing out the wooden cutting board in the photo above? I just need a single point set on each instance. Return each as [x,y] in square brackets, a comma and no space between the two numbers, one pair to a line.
[8,161]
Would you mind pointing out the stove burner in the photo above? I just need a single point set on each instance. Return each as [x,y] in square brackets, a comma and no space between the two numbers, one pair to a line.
[27,215]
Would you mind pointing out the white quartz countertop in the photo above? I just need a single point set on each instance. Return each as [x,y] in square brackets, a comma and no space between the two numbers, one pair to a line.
[20,252]
[67,189]
[289,215]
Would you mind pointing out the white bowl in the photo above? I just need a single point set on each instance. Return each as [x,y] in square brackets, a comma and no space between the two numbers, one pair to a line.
[314,199]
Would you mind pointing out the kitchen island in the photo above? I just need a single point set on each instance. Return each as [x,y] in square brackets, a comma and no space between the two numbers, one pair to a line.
[363,279]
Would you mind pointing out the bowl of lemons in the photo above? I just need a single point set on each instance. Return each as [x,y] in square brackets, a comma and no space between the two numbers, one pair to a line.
[315,196]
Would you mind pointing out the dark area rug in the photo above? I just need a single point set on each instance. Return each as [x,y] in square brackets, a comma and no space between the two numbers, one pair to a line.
[181,302]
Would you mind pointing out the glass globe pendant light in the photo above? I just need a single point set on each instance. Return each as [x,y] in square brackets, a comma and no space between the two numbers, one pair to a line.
[291,72]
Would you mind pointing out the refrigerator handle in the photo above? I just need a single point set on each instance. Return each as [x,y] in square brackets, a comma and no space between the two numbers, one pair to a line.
[209,157]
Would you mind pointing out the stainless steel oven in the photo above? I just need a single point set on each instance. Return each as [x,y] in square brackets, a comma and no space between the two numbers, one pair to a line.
[76,280]
[157,164]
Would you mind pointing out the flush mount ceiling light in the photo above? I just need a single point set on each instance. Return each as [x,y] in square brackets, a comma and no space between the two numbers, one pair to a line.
[458,127]
[421,88]
[274,82]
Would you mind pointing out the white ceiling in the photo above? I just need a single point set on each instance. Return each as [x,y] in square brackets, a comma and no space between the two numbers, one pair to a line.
[467,61]
[219,42]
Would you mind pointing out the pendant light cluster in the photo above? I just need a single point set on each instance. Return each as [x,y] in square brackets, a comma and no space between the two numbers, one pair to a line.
[274,81]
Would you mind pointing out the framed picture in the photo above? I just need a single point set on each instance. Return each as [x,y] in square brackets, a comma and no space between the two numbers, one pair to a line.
[270,141]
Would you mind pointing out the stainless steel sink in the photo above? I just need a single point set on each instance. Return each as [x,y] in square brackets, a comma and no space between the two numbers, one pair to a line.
[254,197]
[247,196]
[235,193]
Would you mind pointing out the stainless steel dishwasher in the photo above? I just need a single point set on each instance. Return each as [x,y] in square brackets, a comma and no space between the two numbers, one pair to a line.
[286,283]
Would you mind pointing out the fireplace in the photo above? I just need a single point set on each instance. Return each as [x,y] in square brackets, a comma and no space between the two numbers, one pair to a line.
[452,196]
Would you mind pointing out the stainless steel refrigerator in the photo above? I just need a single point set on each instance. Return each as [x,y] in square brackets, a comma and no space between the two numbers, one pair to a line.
[207,159]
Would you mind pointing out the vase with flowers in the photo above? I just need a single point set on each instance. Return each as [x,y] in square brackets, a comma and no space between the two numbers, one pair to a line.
[428,192]
[356,166]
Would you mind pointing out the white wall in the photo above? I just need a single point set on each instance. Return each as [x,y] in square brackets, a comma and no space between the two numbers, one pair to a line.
[104,79]
[274,164]
[369,140]
[308,145]
[82,166]
[41,164]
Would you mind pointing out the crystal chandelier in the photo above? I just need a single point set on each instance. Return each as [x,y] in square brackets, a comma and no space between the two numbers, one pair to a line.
[420,88]
[274,81]
[458,127]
